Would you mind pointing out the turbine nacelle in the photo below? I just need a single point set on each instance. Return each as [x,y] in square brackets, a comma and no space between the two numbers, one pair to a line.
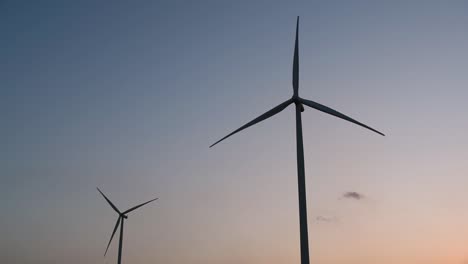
[296,100]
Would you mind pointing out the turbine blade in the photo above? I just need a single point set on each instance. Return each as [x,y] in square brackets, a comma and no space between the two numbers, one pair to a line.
[330,111]
[111,204]
[138,206]
[264,116]
[113,233]
[295,80]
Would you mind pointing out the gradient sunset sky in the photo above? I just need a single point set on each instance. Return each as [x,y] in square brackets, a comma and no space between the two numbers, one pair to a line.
[128,95]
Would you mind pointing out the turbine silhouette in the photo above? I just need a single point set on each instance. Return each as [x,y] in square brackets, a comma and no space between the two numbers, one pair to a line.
[120,221]
[299,102]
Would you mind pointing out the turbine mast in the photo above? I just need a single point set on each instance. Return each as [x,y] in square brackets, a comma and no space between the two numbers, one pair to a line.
[304,233]
[119,260]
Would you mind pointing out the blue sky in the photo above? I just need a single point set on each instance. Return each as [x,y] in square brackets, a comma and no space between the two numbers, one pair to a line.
[128,96]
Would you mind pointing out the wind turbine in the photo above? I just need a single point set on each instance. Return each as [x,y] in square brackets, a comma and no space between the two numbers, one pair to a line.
[120,221]
[299,102]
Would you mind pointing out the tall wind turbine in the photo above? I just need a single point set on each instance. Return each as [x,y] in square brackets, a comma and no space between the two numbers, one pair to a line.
[120,221]
[299,102]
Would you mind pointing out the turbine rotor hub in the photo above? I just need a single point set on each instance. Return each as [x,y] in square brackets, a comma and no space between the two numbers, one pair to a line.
[295,99]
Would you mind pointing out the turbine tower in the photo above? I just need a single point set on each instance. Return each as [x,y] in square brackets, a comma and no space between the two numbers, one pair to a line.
[299,103]
[120,221]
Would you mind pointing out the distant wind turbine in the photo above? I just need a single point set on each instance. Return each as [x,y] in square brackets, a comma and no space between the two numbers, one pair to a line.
[299,102]
[120,221]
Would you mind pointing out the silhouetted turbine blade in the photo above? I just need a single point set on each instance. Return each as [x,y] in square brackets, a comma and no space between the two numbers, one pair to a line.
[266,115]
[295,81]
[112,236]
[111,204]
[138,206]
[330,111]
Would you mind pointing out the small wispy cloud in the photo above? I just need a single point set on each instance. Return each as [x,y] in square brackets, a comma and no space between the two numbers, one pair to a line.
[325,219]
[353,195]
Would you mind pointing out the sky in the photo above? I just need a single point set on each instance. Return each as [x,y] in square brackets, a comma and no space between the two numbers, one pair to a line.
[128,95]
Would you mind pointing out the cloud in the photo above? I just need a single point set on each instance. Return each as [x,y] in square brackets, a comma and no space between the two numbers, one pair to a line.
[325,219]
[353,195]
